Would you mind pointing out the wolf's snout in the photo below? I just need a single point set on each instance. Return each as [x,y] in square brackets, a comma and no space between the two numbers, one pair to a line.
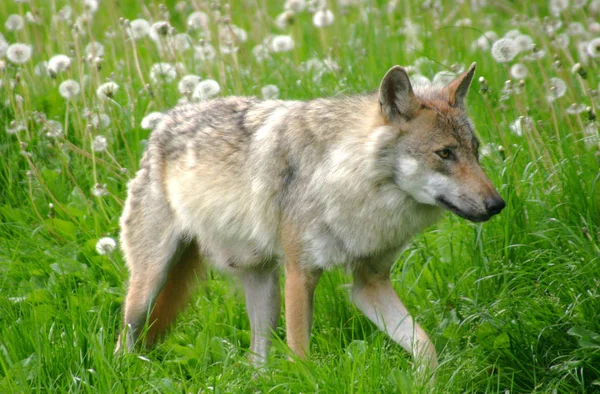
[494,205]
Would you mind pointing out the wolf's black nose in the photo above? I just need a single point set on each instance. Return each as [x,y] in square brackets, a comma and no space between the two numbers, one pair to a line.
[494,205]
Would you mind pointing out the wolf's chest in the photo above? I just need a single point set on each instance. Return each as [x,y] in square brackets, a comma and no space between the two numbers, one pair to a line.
[345,235]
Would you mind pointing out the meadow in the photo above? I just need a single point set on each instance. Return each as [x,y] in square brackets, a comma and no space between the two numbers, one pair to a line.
[512,305]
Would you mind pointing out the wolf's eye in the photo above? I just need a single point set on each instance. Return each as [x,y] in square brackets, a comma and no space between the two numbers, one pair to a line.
[444,153]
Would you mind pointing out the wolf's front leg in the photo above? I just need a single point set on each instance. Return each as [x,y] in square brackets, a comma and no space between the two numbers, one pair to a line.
[300,284]
[263,302]
[374,295]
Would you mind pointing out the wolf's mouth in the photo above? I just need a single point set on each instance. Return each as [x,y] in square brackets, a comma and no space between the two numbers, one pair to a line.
[456,210]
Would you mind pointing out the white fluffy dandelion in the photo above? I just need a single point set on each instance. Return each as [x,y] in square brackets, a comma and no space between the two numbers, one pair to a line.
[100,121]
[270,92]
[204,52]
[99,190]
[107,90]
[139,28]
[593,48]
[575,109]
[58,63]
[323,18]
[485,40]
[504,50]
[159,29]
[522,125]
[285,19]
[182,42]
[518,71]
[94,49]
[19,53]
[90,6]
[40,69]
[188,83]
[523,42]
[197,21]
[150,121]
[558,6]
[64,14]
[3,45]
[69,89]
[99,144]
[296,6]
[14,22]
[443,78]
[106,245]
[282,43]
[53,129]
[206,89]
[162,72]
[558,88]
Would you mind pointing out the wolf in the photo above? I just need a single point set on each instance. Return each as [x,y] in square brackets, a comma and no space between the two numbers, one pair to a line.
[249,186]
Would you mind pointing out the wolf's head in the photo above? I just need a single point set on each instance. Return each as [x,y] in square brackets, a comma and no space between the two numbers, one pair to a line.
[430,139]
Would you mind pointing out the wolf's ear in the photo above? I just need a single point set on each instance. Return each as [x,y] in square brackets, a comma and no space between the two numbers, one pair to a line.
[458,89]
[396,97]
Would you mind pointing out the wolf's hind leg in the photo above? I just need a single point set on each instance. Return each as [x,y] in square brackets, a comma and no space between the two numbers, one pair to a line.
[263,302]
[373,294]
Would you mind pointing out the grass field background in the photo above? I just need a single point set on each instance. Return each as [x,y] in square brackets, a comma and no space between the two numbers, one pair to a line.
[511,305]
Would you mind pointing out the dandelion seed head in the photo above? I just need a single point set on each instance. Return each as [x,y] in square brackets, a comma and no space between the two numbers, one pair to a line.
[418,80]
[100,121]
[106,245]
[485,40]
[188,83]
[107,90]
[575,29]
[64,14]
[69,89]
[522,125]
[94,49]
[3,47]
[198,20]
[281,43]
[90,6]
[285,19]
[204,52]
[182,42]
[162,72]
[53,129]
[558,6]
[593,48]
[18,53]
[99,144]
[523,42]
[58,63]
[14,127]
[150,121]
[575,109]
[296,6]
[323,18]
[159,29]
[41,69]
[14,22]
[270,92]
[443,78]
[518,71]
[504,50]
[206,89]
[139,28]
[592,138]
[261,52]
[558,88]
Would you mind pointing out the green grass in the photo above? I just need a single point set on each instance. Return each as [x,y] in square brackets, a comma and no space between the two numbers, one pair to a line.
[512,304]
